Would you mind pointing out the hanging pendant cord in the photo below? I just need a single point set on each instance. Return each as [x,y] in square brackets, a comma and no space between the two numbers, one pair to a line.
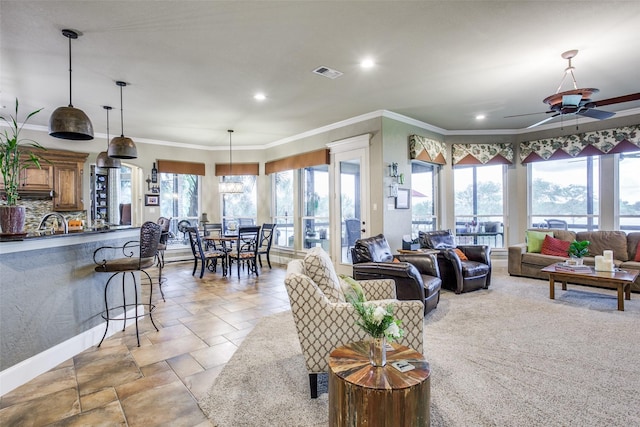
[121,114]
[70,104]
[230,161]
[107,108]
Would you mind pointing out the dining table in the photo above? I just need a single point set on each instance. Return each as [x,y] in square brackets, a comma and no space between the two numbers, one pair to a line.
[226,244]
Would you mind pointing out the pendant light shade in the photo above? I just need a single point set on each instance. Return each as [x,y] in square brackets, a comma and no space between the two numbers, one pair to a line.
[122,147]
[70,122]
[231,187]
[103,160]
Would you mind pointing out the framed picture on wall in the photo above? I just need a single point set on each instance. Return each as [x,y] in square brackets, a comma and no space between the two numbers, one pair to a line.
[402,199]
[151,200]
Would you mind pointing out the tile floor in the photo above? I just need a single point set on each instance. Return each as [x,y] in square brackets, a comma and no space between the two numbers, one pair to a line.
[159,383]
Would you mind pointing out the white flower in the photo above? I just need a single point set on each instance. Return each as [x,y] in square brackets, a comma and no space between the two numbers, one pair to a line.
[379,314]
[393,331]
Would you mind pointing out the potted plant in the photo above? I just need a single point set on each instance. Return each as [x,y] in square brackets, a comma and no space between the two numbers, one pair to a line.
[13,159]
[578,249]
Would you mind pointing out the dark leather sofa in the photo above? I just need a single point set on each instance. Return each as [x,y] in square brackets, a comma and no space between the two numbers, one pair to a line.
[417,276]
[459,275]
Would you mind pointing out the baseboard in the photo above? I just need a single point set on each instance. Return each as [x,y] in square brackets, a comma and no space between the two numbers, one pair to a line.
[23,372]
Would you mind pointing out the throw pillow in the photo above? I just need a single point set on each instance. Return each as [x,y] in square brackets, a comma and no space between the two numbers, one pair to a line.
[319,268]
[352,289]
[534,240]
[637,258]
[553,246]
[461,255]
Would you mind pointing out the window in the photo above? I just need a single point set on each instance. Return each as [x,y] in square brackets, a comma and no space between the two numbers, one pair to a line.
[565,190]
[240,209]
[315,206]
[423,196]
[283,208]
[479,204]
[179,200]
[629,192]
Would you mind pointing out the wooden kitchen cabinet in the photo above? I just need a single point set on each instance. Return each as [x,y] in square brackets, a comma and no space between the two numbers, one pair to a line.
[60,177]
[34,179]
[67,186]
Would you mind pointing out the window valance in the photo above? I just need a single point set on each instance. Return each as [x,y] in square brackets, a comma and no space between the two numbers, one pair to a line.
[608,141]
[427,150]
[298,161]
[482,154]
[223,169]
[184,168]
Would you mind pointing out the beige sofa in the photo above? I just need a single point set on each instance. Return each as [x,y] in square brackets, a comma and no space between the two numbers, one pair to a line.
[523,263]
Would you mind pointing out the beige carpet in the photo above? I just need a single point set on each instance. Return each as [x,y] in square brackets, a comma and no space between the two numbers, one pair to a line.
[507,356]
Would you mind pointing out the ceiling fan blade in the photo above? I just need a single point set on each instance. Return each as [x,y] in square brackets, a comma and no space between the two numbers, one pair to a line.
[571,100]
[596,114]
[528,114]
[618,99]
[543,121]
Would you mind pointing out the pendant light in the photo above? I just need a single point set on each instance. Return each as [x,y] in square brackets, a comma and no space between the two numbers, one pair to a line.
[69,122]
[103,160]
[231,187]
[122,147]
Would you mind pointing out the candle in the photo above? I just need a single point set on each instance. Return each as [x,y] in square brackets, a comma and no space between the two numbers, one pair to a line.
[600,263]
[609,265]
[608,255]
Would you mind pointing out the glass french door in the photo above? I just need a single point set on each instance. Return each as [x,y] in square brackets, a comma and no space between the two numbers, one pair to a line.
[351,208]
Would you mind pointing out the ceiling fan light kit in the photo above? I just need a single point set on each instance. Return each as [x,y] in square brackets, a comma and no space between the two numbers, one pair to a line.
[122,147]
[578,100]
[70,122]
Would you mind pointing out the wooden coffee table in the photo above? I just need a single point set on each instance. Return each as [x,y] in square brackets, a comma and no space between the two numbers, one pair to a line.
[619,279]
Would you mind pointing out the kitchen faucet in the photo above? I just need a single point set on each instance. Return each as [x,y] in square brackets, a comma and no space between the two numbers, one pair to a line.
[65,224]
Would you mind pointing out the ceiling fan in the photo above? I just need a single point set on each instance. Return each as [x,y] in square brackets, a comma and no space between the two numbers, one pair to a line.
[578,100]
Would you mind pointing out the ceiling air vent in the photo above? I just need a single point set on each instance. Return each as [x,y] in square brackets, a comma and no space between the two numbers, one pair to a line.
[327,72]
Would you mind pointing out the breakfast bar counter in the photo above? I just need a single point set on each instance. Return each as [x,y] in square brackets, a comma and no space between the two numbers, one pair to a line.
[50,300]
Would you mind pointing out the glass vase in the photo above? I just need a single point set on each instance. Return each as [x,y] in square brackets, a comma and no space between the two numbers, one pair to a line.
[378,351]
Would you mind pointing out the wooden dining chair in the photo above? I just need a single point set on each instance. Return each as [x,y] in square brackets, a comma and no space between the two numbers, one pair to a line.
[207,258]
[245,251]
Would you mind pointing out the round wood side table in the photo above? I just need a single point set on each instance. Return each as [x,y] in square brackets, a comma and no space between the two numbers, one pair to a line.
[361,394]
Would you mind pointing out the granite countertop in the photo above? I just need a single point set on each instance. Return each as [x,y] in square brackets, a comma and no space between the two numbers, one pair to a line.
[28,243]
[47,234]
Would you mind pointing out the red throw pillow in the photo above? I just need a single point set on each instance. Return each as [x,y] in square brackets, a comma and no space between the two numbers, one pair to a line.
[461,255]
[637,258]
[556,247]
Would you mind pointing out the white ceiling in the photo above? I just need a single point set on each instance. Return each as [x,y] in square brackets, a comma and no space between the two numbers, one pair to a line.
[194,66]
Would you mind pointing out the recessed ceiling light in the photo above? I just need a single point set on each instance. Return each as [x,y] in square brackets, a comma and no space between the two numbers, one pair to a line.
[259,96]
[367,63]
[480,117]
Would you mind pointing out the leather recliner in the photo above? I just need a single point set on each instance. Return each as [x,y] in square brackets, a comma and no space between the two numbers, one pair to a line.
[417,277]
[459,275]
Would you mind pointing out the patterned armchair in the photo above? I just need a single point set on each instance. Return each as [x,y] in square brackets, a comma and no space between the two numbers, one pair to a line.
[324,320]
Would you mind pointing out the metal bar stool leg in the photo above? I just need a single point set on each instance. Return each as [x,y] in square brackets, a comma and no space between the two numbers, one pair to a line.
[124,301]
[106,316]
[151,306]
[135,300]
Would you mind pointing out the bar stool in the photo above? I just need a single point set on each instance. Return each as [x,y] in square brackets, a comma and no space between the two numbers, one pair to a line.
[164,223]
[149,239]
